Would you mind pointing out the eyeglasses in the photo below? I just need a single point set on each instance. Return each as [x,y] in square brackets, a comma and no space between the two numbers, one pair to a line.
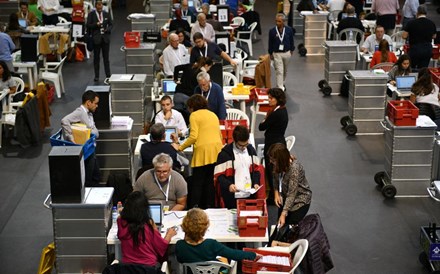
[162,171]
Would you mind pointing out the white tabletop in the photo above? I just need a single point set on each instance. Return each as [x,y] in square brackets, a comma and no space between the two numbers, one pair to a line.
[227,93]
[42,29]
[137,150]
[223,227]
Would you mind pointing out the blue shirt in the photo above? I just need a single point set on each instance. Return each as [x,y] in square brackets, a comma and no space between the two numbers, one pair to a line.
[6,47]
[275,40]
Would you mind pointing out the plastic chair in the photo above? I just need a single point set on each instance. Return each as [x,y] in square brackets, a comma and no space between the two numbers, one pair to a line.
[62,20]
[386,66]
[228,78]
[255,110]
[108,6]
[20,89]
[331,18]
[397,38]
[248,69]
[301,247]
[356,33]
[246,37]
[47,259]
[236,114]
[238,21]
[290,141]
[55,75]
[209,267]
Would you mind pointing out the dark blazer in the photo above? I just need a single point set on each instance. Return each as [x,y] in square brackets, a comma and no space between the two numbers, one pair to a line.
[92,26]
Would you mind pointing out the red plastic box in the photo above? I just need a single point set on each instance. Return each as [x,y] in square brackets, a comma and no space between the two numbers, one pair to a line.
[402,113]
[229,126]
[251,267]
[435,74]
[252,226]
[132,39]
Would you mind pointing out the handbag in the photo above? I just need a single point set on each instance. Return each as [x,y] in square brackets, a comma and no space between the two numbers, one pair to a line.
[89,40]
[152,35]
[286,234]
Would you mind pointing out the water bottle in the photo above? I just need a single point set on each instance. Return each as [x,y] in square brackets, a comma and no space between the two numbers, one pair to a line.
[114,214]
[119,206]
[156,88]
[350,36]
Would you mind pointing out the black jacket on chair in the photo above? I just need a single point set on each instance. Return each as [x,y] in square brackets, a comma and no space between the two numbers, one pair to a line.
[95,30]
[27,124]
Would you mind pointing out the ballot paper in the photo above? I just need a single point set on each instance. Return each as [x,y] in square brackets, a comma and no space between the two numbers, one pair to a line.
[425,121]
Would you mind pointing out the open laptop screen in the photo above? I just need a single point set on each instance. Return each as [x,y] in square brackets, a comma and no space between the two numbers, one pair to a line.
[156,213]
[405,82]
[22,23]
[168,86]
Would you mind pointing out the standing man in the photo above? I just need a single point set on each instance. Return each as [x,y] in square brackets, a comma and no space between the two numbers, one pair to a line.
[386,11]
[238,171]
[409,11]
[84,115]
[213,93]
[7,46]
[100,25]
[187,13]
[205,48]
[281,47]
[24,13]
[373,40]
[204,28]
[173,55]
[420,32]
[163,184]
[49,8]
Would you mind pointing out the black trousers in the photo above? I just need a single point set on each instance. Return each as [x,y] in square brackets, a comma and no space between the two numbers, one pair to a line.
[93,175]
[420,55]
[105,48]
[50,19]
[294,217]
[387,21]
[201,188]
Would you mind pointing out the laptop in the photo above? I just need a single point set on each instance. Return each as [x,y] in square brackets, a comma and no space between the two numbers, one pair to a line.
[404,83]
[168,86]
[22,23]
[168,131]
[156,213]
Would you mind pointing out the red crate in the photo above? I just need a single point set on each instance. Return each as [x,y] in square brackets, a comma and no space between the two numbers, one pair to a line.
[252,226]
[132,39]
[251,267]
[402,113]
[435,51]
[229,126]
[435,74]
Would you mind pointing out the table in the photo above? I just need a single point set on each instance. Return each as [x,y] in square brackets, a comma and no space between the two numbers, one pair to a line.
[223,228]
[4,95]
[32,72]
[44,29]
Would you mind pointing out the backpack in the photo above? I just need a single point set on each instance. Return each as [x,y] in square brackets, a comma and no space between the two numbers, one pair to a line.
[120,181]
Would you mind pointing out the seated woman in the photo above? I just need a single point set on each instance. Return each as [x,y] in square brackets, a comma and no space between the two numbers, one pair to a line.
[194,248]
[141,242]
[401,68]
[6,81]
[383,54]
[183,38]
[425,94]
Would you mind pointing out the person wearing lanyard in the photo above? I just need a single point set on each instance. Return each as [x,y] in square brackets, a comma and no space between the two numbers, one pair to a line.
[205,48]
[213,93]
[24,13]
[281,47]
[173,55]
[292,191]
[187,13]
[100,25]
[204,28]
[84,115]
[238,173]
[163,184]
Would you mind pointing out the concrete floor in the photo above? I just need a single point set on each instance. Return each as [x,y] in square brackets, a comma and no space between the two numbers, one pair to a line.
[367,233]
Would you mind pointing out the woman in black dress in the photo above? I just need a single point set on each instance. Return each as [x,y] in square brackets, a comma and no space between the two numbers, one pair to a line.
[274,125]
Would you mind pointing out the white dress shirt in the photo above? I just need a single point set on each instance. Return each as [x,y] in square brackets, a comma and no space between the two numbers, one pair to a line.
[173,57]
[208,31]
[49,4]
[176,120]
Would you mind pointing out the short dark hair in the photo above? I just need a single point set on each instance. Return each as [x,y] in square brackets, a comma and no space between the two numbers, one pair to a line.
[6,71]
[422,10]
[197,36]
[24,4]
[89,95]
[197,102]
[166,97]
[157,131]
[279,95]
[279,155]
[240,134]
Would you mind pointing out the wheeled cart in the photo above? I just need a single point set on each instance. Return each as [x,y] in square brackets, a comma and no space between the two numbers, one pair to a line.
[340,56]
[430,243]
[315,30]
[408,160]
[366,103]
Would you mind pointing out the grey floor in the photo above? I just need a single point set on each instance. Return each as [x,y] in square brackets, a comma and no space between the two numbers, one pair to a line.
[367,233]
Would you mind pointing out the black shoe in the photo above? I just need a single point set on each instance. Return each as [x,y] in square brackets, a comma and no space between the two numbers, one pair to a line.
[96,79]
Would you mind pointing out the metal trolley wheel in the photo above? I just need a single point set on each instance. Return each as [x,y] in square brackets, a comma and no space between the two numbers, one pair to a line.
[325,87]
[348,126]
[388,190]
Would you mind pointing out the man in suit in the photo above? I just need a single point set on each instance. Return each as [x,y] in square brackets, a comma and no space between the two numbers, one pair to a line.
[100,25]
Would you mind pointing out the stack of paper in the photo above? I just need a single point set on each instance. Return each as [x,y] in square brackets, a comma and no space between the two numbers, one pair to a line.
[80,133]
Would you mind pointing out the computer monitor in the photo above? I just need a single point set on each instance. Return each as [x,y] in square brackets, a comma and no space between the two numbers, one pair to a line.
[22,23]
[405,82]
[168,86]
[156,213]
[168,132]
[190,3]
